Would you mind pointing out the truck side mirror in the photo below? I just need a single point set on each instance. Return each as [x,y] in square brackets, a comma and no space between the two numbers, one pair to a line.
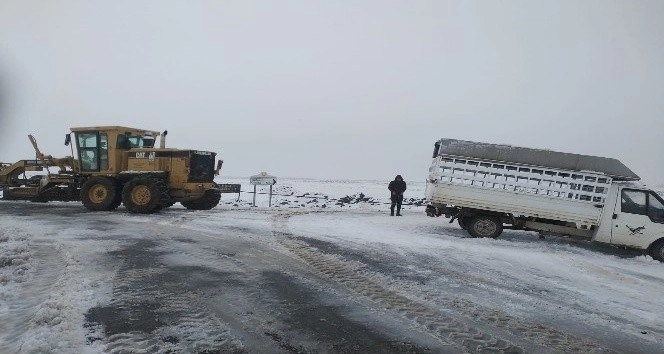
[67,139]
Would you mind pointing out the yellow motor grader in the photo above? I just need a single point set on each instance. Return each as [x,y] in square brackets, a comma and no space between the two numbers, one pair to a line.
[117,165]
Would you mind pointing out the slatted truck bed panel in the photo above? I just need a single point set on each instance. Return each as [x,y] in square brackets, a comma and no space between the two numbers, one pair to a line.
[576,197]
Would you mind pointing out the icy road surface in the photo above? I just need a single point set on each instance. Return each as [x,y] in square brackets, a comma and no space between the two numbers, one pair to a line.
[302,278]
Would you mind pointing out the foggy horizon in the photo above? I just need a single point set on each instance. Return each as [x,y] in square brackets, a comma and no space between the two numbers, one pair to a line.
[338,90]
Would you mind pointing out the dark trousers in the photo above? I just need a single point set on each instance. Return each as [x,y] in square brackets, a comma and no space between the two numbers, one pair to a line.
[396,201]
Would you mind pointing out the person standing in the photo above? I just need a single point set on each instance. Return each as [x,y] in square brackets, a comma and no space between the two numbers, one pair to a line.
[397,187]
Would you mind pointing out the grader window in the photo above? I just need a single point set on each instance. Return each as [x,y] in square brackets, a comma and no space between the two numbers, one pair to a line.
[126,142]
[103,151]
[93,151]
[88,150]
[123,142]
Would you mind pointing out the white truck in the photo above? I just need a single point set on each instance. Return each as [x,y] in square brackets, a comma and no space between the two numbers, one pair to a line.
[488,188]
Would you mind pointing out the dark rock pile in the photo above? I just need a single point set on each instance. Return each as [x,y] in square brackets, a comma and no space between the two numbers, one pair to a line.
[356,199]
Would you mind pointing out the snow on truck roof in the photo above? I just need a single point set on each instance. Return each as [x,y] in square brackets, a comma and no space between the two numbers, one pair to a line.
[536,157]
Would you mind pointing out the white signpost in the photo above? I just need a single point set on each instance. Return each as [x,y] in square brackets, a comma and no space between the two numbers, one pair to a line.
[263,179]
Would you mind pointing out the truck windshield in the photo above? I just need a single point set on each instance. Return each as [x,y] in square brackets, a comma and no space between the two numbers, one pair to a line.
[655,207]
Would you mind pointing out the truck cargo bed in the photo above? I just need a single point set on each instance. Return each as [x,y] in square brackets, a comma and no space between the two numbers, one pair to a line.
[517,204]
[519,190]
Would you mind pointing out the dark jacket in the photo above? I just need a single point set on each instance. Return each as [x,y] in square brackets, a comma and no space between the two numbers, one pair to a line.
[397,187]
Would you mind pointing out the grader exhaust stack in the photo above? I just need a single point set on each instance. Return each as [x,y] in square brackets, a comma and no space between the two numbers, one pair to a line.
[162,141]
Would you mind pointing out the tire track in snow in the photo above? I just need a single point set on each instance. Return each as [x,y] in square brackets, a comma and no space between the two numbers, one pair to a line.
[433,314]
[538,333]
[446,328]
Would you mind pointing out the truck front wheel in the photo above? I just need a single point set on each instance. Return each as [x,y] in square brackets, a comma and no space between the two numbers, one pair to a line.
[657,250]
[484,226]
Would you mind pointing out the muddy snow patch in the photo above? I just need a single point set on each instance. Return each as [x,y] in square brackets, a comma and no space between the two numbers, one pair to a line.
[44,292]
[16,260]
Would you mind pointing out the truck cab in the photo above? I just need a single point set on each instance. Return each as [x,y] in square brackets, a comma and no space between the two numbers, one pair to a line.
[634,217]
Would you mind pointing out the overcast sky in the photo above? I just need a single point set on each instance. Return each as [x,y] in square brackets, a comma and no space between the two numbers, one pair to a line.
[339,89]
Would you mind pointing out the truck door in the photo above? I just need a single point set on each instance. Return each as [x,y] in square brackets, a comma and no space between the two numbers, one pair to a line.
[636,217]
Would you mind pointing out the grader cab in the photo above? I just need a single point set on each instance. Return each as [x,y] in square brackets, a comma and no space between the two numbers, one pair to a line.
[119,165]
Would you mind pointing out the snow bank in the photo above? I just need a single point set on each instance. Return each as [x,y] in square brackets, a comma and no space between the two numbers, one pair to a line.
[297,193]
[16,261]
[48,280]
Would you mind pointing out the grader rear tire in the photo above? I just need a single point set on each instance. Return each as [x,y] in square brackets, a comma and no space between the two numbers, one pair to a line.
[99,194]
[144,195]
[208,201]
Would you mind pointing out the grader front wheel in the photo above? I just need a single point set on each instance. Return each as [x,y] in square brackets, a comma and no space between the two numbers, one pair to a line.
[99,194]
[208,201]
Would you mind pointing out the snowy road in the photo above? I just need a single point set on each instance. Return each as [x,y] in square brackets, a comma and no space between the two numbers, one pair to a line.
[257,280]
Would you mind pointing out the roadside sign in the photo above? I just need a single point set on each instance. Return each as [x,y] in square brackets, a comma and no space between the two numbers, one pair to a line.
[263,179]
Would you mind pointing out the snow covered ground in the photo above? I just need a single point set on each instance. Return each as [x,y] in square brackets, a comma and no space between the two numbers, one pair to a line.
[326,269]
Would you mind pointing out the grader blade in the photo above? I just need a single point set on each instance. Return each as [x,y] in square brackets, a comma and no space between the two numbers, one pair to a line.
[10,174]
[19,193]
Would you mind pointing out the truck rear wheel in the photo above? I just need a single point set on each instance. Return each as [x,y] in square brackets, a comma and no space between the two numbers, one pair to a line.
[144,195]
[657,250]
[463,222]
[485,226]
[208,201]
[99,194]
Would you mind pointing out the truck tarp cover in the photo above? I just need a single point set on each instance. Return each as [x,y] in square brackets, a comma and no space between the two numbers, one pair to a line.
[536,157]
